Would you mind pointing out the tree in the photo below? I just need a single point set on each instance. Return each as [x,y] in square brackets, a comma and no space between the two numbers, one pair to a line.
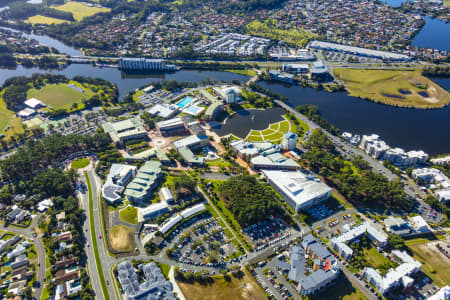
[396,241]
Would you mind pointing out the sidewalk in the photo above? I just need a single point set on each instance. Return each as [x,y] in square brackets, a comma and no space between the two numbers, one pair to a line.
[176,288]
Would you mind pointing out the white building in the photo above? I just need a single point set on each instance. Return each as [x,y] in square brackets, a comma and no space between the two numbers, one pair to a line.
[339,243]
[443,294]
[441,160]
[154,210]
[298,189]
[443,195]
[419,224]
[166,195]
[400,276]
[26,113]
[119,176]
[228,93]
[163,110]
[289,141]
[34,103]
[378,149]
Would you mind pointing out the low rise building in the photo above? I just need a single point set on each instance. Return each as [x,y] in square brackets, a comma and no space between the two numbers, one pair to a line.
[281,76]
[34,103]
[442,294]
[154,210]
[230,94]
[26,113]
[441,160]
[398,277]
[166,195]
[296,68]
[339,243]
[419,224]
[325,268]
[122,131]
[154,286]
[163,110]
[299,190]
[145,181]
[397,226]
[171,127]
[119,176]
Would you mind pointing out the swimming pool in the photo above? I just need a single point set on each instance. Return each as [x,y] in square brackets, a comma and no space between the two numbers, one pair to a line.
[186,100]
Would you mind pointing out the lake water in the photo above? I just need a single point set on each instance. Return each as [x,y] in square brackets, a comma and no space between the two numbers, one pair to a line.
[243,121]
[418,129]
[435,35]
[428,130]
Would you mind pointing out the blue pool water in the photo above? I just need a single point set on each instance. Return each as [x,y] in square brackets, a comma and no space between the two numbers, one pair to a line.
[186,100]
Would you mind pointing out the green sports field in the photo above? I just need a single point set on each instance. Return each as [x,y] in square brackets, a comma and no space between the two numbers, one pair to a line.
[38,19]
[80,10]
[274,133]
[60,95]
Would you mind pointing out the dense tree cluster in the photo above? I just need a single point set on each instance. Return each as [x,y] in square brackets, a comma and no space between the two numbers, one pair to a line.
[251,5]
[364,187]
[263,90]
[249,200]
[436,71]
[319,139]
[312,112]
[51,150]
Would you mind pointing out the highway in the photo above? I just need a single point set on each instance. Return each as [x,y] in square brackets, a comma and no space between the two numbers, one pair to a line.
[28,233]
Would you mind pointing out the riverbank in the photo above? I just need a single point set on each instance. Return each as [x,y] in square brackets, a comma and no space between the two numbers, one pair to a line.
[402,88]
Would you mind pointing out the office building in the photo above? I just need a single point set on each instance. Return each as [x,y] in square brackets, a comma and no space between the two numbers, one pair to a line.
[171,127]
[163,110]
[118,177]
[296,68]
[122,131]
[442,294]
[144,64]
[300,190]
[154,210]
[289,141]
[283,77]
[397,226]
[165,194]
[419,224]
[146,180]
[230,94]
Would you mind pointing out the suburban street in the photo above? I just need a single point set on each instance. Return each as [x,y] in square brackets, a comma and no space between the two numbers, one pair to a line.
[28,233]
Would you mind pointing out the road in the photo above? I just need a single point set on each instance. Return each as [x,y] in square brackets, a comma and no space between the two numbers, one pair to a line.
[348,150]
[28,233]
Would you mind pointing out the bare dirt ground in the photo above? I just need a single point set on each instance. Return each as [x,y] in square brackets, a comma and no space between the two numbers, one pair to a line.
[119,237]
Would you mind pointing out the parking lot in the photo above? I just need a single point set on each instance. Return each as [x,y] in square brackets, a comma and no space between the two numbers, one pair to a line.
[334,225]
[203,243]
[267,233]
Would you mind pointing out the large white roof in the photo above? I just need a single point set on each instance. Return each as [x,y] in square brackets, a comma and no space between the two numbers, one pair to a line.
[299,187]
[33,103]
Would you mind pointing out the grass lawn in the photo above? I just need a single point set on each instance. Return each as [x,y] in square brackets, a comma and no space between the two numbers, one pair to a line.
[80,10]
[137,94]
[342,289]
[80,163]
[236,289]
[60,95]
[7,119]
[247,72]
[274,133]
[375,258]
[129,215]
[394,87]
[294,36]
[38,19]
[434,264]
[447,2]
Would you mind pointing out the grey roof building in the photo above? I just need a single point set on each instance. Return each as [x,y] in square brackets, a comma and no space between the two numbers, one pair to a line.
[325,268]
[154,287]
